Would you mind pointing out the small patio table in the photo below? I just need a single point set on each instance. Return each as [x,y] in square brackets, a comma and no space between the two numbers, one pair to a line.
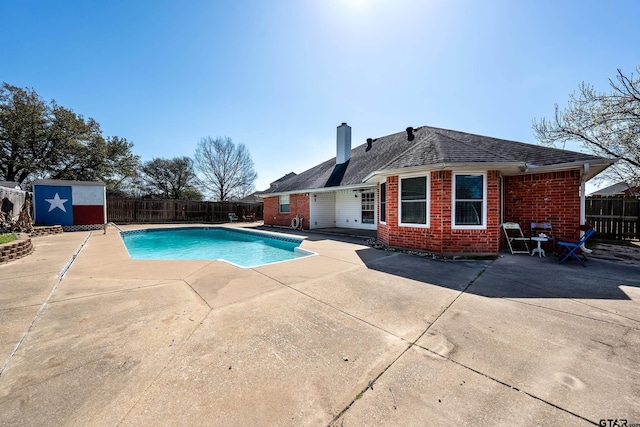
[539,249]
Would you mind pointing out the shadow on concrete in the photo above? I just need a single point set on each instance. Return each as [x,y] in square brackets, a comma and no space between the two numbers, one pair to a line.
[509,276]
[512,276]
[347,235]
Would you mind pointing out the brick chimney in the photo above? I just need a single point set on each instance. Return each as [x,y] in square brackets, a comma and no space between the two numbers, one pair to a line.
[343,144]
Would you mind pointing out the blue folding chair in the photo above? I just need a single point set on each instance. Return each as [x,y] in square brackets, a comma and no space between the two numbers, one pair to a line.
[572,247]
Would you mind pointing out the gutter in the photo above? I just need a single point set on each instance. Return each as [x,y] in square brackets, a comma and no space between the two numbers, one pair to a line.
[592,169]
[467,166]
[507,168]
[317,190]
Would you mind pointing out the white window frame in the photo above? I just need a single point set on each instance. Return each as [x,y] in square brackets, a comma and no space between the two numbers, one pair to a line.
[374,206]
[381,201]
[483,226]
[427,201]
[280,203]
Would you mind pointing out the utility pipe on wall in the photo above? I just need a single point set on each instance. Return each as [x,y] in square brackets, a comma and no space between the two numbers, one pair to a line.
[583,203]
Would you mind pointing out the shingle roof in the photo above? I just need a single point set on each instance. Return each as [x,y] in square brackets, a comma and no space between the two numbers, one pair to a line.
[10,184]
[251,198]
[618,189]
[430,147]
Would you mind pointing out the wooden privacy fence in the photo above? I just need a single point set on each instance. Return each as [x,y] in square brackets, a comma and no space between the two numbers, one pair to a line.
[121,210]
[614,217]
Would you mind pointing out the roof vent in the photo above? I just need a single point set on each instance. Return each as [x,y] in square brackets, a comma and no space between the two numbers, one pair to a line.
[369,142]
[410,135]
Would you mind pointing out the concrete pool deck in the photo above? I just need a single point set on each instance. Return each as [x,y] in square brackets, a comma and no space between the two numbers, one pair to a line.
[354,336]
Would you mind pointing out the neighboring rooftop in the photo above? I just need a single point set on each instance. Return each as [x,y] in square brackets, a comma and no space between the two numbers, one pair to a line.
[432,147]
[251,198]
[619,189]
[10,184]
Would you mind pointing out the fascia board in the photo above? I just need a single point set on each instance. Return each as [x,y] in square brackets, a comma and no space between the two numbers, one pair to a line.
[595,167]
[318,190]
[467,166]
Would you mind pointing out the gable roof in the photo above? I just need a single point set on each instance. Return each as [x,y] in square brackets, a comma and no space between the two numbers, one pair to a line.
[618,189]
[435,148]
[273,187]
[251,198]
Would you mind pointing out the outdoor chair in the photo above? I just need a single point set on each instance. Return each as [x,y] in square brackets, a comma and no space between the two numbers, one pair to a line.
[543,229]
[233,217]
[539,228]
[515,239]
[248,217]
[575,248]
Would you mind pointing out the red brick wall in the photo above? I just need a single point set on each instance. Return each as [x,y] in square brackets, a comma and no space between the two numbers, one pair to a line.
[550,197]
[544,197]
[439,237]
[298,205]
[384,230]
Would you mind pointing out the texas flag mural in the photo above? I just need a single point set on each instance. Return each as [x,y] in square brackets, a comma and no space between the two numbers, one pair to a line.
[69,203]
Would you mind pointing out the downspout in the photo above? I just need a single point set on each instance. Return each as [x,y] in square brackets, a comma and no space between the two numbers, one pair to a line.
[501,199]
[500,247]
[583,203]
[583,186]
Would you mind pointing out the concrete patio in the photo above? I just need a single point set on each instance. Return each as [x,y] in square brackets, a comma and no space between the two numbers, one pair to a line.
[352,337]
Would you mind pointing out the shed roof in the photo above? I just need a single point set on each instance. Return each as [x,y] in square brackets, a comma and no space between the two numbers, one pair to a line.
[10,184]
[63,182]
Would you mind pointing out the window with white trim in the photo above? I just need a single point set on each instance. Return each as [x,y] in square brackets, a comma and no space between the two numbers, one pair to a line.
[414,201]
[469,200]
[368,204]
[284,203]
[383,202]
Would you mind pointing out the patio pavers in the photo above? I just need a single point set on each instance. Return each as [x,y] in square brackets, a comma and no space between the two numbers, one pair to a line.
[221,284]
[404,307]
[27,282]
[423,389]
[277,359]
[585,366]
[87,360]
[519,340]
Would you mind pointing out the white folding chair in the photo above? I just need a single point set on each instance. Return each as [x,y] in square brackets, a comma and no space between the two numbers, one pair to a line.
[515,239]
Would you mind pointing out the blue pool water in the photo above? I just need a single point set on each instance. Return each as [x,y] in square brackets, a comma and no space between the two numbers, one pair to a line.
[241,247]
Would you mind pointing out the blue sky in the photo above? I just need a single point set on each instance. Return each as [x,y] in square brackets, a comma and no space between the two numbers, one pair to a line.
[280,75]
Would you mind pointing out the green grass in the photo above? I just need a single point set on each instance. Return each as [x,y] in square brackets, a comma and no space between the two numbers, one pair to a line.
[6,238]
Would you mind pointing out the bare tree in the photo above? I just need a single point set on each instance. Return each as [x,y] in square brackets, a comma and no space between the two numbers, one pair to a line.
[606,124]
[170,179]
[226,169]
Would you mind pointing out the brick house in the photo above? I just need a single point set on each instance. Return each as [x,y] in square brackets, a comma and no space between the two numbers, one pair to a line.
[437,190]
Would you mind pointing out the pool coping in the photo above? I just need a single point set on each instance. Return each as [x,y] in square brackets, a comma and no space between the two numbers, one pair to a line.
[298,251]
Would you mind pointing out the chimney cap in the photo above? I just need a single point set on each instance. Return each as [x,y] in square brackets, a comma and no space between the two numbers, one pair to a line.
[343,124]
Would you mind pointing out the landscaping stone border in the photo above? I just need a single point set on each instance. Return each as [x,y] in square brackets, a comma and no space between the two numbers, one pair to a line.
[47,231]
[20,247]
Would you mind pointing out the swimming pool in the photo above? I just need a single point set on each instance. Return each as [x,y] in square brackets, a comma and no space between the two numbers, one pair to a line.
[242,248]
